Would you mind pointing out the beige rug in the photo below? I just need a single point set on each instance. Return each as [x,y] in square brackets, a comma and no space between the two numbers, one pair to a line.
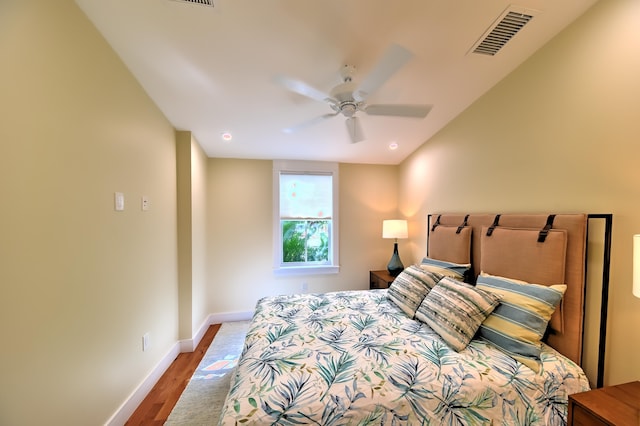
[202,399]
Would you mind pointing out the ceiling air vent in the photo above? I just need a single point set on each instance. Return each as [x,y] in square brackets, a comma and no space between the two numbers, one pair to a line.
[200,2]
[502,30]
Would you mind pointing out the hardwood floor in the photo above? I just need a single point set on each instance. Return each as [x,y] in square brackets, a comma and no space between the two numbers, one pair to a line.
[157,406]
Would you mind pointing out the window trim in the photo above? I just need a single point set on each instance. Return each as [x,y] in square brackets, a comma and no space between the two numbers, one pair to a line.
[301,167]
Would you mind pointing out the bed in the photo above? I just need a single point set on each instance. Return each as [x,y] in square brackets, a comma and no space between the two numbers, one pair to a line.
[486,329]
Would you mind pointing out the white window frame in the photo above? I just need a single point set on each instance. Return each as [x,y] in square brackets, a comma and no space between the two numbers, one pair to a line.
[291,166]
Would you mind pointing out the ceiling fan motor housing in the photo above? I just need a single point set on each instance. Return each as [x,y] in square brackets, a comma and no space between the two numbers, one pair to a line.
[345,102]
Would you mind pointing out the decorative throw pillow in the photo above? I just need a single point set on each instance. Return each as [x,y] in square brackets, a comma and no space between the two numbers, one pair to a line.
[516,253]
[518,324]
[410,287]
[458,271]
[455,310]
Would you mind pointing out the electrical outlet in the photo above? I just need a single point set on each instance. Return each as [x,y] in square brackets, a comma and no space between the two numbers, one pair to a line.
[145,342]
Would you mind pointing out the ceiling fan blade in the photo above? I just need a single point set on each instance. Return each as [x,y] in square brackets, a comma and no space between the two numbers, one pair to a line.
[309,123]
[393,59]
[398,110]
[355,129]
[303,89]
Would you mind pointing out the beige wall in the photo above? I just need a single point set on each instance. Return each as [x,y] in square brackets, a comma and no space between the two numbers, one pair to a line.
[79,283]
[185,234]
[560,134]
[191,181]
[199,281]
[240,232]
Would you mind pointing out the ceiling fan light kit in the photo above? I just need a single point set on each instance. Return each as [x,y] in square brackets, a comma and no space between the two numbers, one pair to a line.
[348,99]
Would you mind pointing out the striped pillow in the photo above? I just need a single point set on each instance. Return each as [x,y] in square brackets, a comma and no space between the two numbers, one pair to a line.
[517,325]
[410,287]
[455,310]
[457,271]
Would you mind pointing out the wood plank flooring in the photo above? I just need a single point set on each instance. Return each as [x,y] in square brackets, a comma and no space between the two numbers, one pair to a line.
[157,406]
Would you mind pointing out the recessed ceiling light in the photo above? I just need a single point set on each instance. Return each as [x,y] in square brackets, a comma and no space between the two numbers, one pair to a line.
[226,136]
[393,146]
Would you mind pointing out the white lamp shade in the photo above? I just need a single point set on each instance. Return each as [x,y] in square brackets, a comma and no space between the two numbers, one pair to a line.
[396,228]
[636,265]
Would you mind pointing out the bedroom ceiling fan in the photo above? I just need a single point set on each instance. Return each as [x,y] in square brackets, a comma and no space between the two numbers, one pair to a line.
[349,98]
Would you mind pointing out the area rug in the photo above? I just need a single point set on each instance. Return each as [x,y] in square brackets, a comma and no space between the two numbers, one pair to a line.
[202,399]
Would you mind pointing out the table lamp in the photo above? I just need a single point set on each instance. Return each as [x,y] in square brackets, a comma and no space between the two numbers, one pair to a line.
[396,228]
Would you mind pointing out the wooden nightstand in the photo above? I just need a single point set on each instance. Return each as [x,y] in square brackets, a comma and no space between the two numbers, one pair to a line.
[611,405]
[380,279]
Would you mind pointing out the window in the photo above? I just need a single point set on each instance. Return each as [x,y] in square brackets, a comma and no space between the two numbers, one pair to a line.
[305,217]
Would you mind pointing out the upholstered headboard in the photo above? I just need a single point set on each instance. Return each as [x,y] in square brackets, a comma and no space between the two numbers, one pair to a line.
[537,248]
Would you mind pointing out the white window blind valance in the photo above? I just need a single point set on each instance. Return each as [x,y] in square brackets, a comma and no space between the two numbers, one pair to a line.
[306,196]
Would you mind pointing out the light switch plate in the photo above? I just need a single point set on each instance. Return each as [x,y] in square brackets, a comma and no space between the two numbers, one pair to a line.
[119,201]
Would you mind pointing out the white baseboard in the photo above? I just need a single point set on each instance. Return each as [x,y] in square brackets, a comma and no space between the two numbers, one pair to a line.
[190,345]
[130,405]
[187,345]
[230,317]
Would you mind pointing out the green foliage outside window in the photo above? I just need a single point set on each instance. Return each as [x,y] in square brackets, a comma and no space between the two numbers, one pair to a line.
[305,241]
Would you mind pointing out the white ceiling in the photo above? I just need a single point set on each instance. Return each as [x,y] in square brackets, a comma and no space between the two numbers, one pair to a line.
[212,70]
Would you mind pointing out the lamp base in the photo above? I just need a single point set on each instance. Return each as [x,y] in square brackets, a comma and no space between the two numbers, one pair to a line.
[395,265]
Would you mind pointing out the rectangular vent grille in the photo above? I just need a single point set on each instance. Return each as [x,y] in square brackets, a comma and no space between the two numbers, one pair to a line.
[200,2]
[503,30]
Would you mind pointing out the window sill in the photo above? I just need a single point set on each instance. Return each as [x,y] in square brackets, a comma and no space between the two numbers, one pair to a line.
[306,270]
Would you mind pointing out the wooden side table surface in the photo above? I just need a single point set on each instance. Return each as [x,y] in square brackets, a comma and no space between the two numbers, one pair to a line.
[610,405]
[380,279]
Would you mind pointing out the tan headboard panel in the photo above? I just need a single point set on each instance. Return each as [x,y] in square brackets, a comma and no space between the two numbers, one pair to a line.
[451,243]
[569,340]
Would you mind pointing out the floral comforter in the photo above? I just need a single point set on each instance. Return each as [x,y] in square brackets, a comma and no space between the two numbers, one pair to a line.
[353,358]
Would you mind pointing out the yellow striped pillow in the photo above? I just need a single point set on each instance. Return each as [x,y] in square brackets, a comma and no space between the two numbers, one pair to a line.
[519,322]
